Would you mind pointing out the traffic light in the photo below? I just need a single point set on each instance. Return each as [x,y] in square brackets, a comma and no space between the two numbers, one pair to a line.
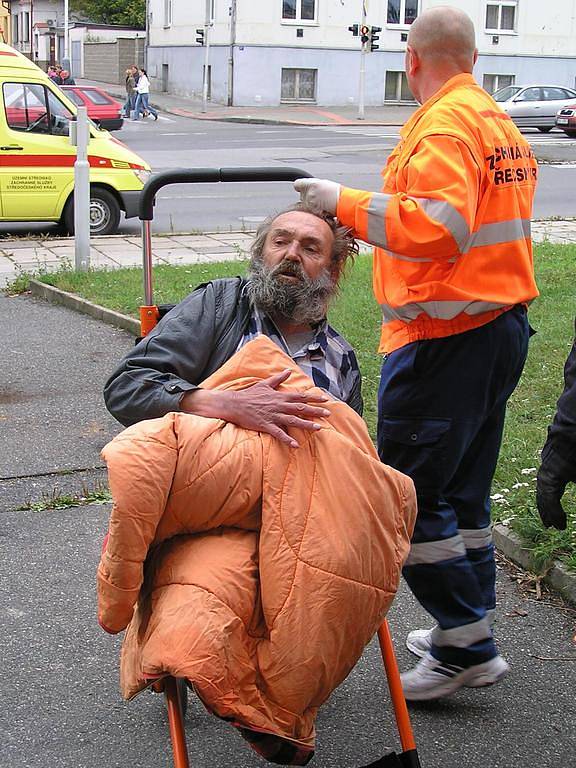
[200,36]
[374,37]
[354,29]
[364,34]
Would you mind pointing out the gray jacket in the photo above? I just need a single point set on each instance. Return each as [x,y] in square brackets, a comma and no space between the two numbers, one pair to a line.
[191,342]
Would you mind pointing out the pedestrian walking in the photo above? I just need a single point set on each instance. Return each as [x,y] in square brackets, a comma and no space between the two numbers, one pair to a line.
[142,98]
[453,274]
[130,93]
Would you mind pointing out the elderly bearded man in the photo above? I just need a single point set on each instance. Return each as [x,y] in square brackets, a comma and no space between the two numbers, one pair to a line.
[297,260]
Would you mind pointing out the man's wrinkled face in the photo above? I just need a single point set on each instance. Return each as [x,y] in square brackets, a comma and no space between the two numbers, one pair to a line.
[293,279]
[300,239]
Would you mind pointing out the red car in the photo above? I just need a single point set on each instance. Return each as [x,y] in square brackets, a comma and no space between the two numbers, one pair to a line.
[102,109]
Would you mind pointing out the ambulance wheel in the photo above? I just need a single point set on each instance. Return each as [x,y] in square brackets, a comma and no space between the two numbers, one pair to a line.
[104,213]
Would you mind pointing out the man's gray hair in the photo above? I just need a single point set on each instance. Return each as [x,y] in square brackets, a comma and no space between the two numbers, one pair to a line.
[344,246]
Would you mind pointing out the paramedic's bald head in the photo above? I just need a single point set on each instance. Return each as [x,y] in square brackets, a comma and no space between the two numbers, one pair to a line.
[441,44]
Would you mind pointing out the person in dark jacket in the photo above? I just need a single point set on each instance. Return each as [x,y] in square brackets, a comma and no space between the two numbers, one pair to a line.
[558,465]
[66,78]
[297,260]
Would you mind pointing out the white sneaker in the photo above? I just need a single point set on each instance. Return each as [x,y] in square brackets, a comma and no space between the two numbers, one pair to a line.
[433,679]
[419,641]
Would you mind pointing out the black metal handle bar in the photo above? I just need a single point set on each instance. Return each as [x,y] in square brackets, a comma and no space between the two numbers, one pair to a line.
[207,175]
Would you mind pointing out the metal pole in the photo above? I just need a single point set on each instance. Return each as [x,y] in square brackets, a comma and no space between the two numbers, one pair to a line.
[32,30]
[207,24]
[361,85]
[82,193]
[231,54]
[66,30]
[147,262]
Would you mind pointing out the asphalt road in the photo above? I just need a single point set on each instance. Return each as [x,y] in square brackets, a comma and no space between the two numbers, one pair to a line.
[353,155]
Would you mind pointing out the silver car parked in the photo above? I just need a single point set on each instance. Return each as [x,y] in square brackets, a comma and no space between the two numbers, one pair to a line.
[535,106]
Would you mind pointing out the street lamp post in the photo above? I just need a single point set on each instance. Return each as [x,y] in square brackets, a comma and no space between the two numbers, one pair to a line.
[66,31]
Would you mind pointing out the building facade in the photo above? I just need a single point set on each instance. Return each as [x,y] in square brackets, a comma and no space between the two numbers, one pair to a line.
[37,29]
[284,51]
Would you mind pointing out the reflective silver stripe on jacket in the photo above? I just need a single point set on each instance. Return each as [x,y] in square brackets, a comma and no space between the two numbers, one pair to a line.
[500,232]
[442,310]
[436,551]
[462,637]
[377,219]
[476,538]
[448,216]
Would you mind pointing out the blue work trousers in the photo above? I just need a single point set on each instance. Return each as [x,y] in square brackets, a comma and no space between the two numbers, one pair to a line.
[441,408]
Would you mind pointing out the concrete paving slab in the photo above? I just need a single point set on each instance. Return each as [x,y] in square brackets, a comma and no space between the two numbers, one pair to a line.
[194,241]
[16,244]
[30,255]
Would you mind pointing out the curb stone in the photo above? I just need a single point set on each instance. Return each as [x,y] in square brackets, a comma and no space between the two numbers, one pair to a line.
[109,316]
[557,576]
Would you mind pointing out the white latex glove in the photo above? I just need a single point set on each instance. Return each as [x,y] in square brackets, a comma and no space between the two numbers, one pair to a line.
[318,194]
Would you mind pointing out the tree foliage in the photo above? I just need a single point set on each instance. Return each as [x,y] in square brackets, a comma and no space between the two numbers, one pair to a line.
[131,13]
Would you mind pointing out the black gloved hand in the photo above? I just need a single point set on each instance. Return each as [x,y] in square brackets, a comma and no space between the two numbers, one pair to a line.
[553,476]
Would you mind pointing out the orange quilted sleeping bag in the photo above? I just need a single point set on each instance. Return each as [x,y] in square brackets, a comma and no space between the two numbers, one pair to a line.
[257,571]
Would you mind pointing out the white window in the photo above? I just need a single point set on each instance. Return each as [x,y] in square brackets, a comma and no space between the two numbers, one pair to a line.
[300,10]
[501,16]
[396,87]
[298,85]
[402,12]
[167,13]
[15,36]
[493,83]
[25,36]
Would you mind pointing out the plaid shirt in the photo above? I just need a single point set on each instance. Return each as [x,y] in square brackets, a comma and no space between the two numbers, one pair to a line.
[328,359]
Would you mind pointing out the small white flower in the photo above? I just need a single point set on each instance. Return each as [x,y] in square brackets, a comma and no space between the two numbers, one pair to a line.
[528,470]
[520,485]
[496,496]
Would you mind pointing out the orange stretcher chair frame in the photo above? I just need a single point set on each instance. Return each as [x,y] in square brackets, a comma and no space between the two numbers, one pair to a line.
[149,316]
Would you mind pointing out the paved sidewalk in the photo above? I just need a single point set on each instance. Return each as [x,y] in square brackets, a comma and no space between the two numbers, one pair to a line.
[294,114]
[45,254]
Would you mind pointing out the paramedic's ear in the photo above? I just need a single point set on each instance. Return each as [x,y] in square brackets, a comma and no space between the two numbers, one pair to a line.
[318,194]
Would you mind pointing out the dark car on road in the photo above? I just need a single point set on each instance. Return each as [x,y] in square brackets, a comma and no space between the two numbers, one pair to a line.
[102,109]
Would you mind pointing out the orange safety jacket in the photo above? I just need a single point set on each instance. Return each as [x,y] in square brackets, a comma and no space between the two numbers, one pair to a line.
[452,223]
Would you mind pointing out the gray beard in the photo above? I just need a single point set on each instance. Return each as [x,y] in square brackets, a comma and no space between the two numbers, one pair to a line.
[302,303]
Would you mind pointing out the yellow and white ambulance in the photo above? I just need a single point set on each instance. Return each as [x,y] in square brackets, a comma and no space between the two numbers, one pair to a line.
[37,158]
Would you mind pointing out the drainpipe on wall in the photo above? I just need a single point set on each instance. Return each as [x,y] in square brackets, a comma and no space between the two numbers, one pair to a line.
[231,54]
[147,38]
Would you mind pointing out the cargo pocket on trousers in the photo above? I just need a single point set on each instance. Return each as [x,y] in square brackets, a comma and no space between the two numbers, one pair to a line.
[416,447]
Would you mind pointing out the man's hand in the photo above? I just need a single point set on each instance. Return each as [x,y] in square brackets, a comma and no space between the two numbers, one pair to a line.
[553,476]
[261,407]
[318,194]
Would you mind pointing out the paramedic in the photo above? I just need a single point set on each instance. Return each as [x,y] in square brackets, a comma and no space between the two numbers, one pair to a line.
[453,275]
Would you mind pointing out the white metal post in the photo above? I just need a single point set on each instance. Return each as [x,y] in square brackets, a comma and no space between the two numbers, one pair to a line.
[361,85]
[66,31]
[207,25]
[82,193]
